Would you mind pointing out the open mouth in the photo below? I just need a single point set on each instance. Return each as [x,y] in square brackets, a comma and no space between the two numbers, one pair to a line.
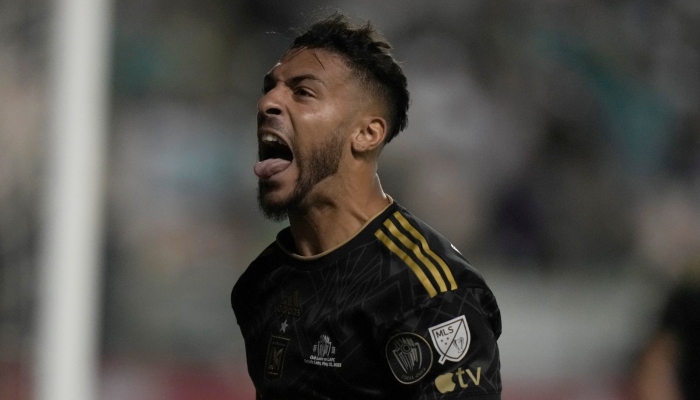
[274,155]
[272,147]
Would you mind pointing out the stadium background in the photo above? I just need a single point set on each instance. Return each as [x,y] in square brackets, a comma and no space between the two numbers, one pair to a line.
[556,143]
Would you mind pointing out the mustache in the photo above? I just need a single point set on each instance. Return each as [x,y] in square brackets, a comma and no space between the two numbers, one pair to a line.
[265,121]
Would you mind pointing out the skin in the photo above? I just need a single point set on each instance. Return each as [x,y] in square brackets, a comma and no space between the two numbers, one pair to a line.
[309,97]
[655,375]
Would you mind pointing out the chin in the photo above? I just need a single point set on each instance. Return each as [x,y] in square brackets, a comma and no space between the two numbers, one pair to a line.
[273,193]
[272,202]
[275,211]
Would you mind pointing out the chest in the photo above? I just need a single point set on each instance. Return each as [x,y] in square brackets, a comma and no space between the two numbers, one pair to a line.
[320,327]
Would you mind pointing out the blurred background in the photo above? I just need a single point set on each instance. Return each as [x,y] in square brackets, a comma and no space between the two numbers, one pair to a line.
[556,143]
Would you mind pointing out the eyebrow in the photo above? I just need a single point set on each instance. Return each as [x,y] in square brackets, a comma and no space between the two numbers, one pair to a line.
[269,80]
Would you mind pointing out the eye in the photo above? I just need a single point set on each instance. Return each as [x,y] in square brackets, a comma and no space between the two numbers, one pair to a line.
[302,91]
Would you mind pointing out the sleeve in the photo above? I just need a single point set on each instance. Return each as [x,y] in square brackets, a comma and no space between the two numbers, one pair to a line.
[446,348]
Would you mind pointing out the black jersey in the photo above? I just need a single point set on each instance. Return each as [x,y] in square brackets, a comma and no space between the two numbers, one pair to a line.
[395,312]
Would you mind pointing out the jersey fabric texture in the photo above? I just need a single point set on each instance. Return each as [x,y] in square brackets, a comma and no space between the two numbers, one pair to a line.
[395,312]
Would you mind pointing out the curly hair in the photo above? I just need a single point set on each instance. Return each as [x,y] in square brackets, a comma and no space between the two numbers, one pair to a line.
[366,52]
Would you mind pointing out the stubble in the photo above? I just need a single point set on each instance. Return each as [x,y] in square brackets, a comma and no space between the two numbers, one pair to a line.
[314,167]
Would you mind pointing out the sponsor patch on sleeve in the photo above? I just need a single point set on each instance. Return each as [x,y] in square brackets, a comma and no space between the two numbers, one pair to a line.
[409,356]
[451,339]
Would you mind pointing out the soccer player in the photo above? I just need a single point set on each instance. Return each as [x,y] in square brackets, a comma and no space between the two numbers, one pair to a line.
[357,298]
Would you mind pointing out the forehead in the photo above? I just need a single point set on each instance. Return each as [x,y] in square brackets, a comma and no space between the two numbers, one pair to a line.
[322,64]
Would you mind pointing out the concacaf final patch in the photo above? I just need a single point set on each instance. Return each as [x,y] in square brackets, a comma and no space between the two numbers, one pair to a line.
[409,357]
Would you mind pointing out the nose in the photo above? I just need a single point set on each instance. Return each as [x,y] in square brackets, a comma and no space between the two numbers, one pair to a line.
[270,103]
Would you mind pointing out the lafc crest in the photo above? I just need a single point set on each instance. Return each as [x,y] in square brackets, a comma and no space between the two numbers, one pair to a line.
[451,339]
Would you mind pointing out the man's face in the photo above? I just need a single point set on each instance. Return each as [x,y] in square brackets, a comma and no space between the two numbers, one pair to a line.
[303,121]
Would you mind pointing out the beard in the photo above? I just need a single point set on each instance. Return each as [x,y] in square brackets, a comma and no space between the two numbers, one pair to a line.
[314,167]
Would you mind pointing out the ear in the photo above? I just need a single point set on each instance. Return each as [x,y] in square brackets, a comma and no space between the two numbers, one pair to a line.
[370,137]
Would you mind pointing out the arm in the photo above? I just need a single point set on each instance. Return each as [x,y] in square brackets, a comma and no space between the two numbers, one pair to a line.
[446,348]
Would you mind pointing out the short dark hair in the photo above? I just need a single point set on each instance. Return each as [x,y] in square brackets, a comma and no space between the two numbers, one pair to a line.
[366,53]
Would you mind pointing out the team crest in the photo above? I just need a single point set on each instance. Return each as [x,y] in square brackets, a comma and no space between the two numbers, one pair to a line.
[275,357]
[409,357]
[451,339]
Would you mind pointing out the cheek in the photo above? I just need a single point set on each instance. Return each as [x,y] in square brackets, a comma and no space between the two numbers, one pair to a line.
[321,116]
[315,128]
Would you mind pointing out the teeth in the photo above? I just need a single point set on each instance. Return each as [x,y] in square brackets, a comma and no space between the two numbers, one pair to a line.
[268,137]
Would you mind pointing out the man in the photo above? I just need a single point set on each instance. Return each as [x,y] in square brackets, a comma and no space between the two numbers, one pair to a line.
[357,298]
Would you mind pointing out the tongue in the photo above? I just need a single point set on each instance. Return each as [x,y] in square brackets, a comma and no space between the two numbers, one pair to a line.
[265,169]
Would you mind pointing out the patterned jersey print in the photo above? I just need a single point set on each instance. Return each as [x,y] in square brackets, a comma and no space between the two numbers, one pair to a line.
[396,312]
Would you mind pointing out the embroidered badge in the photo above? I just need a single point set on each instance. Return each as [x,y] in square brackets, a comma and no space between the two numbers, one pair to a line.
[451,339]
[409,357]
[275,357]
[324,354]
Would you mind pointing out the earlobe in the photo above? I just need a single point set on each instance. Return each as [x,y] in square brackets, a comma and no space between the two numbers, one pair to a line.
[371,136]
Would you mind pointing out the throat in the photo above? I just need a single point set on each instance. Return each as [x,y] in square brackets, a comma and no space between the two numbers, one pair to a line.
[323,229]
[319,230]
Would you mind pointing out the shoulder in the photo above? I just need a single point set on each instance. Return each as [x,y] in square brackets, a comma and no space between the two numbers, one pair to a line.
[431,257]
[440,276]
[454,317]
[268,260]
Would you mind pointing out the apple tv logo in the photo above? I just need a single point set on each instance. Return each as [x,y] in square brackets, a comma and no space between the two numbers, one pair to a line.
[445,383]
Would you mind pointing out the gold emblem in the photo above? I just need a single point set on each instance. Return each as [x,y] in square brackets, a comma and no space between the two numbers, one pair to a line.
[409,356]
[275,357]
[445,383]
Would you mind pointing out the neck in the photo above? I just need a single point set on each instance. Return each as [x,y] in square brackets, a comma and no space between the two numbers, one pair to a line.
[332,219]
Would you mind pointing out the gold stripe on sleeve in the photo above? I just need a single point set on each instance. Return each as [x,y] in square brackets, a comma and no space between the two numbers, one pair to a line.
[424,244]
[416,250]
[403,256]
